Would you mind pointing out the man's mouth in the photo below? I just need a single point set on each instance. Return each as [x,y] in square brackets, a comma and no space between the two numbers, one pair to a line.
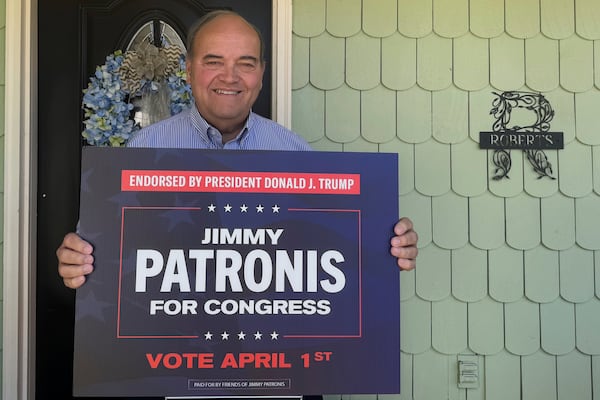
[227,92]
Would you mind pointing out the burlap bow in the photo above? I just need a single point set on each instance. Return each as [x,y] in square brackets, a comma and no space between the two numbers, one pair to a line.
[149,62]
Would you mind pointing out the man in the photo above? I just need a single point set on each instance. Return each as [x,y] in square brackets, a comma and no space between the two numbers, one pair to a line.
[225,67]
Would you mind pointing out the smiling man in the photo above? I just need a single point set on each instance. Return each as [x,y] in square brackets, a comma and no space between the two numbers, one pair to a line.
[225,67]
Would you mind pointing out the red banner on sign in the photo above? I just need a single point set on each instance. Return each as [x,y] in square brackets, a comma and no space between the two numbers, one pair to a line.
[243,182]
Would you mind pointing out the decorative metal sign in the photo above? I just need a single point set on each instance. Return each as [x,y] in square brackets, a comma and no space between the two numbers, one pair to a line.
[532,138]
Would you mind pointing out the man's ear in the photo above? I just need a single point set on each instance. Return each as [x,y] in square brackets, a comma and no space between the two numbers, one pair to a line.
[188,71]
[263,66]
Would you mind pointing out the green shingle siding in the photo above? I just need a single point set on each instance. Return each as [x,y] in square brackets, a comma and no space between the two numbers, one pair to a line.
[509,269]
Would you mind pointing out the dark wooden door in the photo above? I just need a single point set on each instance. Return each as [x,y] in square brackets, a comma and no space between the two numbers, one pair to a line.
[74,37]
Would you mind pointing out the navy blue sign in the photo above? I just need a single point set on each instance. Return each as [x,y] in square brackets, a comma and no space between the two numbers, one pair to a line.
[230,273]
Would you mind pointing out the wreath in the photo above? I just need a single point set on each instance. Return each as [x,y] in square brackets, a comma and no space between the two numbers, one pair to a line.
[131,90]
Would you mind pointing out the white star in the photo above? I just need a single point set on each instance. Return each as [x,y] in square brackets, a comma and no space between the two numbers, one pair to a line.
[208,336]
[276,209]
[259,208]
[241,336]
[244,208]
[274,335]
[212,208]
[224,336]
[257,335]
[227,208]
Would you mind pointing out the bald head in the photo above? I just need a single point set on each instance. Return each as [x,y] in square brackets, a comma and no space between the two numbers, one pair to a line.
[210,17]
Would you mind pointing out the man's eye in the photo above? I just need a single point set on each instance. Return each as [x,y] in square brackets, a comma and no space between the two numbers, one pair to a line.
[247,67]
[213,64]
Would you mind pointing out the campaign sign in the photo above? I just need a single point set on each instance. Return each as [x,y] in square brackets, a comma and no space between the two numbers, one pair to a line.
[237,273]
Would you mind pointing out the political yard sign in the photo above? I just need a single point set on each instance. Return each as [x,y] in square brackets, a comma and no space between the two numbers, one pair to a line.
[237,273]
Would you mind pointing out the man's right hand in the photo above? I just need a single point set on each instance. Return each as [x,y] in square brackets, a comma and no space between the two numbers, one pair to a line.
[75,260]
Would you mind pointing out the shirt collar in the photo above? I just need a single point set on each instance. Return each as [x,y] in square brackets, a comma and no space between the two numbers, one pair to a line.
[206,130]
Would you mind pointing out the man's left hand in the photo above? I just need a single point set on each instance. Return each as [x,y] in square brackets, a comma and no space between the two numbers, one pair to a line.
[404,244]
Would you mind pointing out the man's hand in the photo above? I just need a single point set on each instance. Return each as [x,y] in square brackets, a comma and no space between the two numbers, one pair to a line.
[404,244]
[75,260]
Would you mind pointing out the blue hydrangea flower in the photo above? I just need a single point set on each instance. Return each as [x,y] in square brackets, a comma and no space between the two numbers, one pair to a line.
[181,92]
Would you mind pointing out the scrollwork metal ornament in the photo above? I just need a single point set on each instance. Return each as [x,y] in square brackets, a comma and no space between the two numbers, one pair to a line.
[532,138]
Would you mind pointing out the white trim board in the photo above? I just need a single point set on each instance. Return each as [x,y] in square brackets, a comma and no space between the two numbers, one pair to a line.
[20,160]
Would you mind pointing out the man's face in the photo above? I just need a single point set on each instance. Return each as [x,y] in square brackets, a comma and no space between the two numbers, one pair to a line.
[225,72]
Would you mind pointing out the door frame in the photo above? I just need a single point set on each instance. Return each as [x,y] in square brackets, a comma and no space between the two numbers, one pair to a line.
[20,179]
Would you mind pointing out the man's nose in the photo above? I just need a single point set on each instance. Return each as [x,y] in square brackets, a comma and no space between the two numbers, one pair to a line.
[230,73]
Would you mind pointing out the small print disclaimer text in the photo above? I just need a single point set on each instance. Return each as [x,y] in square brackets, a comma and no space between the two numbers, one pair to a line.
[197,384]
